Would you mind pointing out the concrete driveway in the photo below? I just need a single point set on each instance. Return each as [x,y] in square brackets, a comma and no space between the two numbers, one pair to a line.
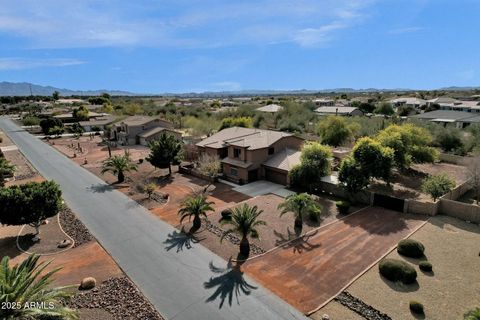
[188,284]
[261,187]
[308,272]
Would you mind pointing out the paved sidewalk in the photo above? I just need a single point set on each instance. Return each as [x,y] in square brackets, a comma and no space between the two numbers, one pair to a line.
[186,285]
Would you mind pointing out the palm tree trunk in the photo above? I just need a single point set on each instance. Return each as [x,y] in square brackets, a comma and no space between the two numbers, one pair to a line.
[298,222]
[169,169]
[197,223]
[121,176]
[245,247]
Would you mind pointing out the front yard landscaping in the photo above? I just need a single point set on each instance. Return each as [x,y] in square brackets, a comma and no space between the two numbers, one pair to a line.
[447,292]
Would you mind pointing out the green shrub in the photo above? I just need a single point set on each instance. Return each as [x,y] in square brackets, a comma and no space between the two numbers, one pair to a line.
[343,206]
[397,270]
[425,266]
[472,314]
[410,248]
[416,307]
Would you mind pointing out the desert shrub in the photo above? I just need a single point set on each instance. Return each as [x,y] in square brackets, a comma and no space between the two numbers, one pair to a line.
[343,206]
[410,248]
[437,186]
[472,314]
[425,266]
[226,213]
[397,270]
[416,307]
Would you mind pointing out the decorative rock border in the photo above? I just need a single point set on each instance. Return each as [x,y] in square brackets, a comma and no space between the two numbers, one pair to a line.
[74,227]
[119,297]
[231,237]
[360,307]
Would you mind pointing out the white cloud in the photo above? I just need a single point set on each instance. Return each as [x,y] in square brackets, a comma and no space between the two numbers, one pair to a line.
[209,23]
[25,63]
[405,30]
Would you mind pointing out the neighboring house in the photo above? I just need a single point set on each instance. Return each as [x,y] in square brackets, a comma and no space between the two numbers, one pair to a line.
[140,130]
[252,154]
[339,110]
[271,108]
[415,103]
[97,123]
[324,102]
[460,119]
[441,100]
[69,118]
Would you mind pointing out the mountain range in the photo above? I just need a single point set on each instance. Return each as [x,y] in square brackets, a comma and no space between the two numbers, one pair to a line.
[27,89]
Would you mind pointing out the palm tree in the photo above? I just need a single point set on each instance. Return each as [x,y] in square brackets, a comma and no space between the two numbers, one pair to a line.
[243,221]
[195,206]
[23,284]
[300,204]
[118,165]
[6,169]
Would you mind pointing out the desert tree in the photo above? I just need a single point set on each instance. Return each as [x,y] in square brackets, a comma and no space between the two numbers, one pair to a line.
[6,169]
[165,151]
[30,203]
[438,185]
[210,166]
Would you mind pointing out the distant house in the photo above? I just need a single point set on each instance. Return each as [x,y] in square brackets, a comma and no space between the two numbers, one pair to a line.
[252,154]
[339,110]
[69,118]
[441,100]
[271,108]
[97,123]
[141,130]
[459,119]
[413,102]
[324,102]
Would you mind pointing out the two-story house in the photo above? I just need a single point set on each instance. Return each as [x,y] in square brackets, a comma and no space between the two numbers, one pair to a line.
[141,130]
[251,154]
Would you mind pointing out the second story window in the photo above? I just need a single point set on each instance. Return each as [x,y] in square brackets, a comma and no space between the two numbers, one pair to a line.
[237,152]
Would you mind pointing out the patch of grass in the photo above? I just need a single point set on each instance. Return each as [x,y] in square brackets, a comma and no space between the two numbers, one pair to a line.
[397,270]
[410,248]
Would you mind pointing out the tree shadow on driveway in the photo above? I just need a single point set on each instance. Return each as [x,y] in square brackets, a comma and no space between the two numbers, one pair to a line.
[100,188]
[180,240]
[295,241]
[229,283]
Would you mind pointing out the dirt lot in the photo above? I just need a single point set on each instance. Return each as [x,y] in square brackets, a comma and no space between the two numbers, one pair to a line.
[452,246]
[331,258]
[408,185]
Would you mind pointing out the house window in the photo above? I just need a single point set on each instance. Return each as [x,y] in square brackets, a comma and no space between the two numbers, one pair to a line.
[237,152]
[271,151]
[233,171]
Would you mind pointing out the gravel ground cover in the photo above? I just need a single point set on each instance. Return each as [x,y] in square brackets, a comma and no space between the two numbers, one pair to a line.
[408,185]
[74,227]
[117,296]
[448,292]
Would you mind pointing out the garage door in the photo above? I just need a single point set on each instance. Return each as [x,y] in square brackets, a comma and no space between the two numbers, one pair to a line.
[279,177]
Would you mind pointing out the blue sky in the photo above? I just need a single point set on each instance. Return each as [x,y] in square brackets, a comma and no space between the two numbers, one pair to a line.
[212,45]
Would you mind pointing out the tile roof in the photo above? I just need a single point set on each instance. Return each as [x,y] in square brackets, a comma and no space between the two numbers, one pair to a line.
[284,160]
[154,131]
[335,110]
[270,108]
[243,137]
